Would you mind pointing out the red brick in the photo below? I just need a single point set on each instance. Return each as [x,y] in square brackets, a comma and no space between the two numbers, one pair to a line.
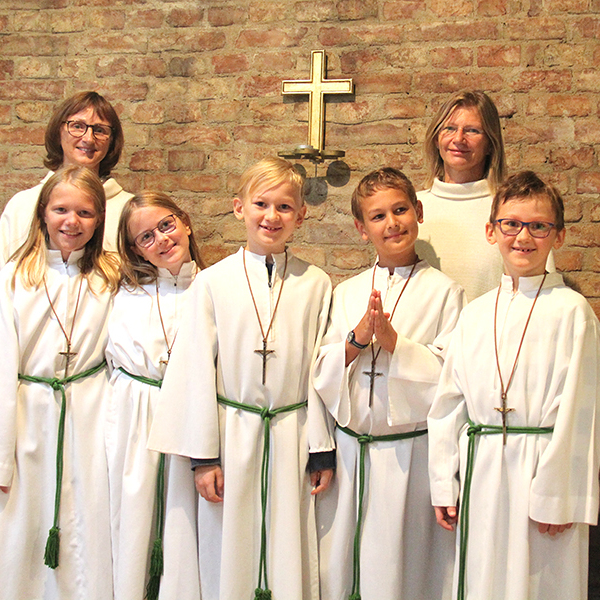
[337,36]
[110,66]
[185,160]
[148,66]
[189,112]
[200,135]
[460,8]
[34,45]
[3,159]
[568,260]
[146,18]
[404,108]
[123,90]
[185,17]
[268,12]
[32,4]
[116,43]
[222,111]
[588,27]
[492,8]
[314,11]
[451,57]
[180,66]
[7,69]
[349,258]
[498,55]
[567,6]
[569,106]
[22,135]
[541,28]
[353,10]
[595,212]
[338,136]
[279,138]
[212,254]
[548,81]
[272,38]
[223,16]
[230,63]
[107,19]
[148,112]
[585,283]
[5,114]
[278,62]
[444,82]
[147,160]
[569,158]
[186,41]
[175,183]
[35,68]
[33,112]
[459,31]
[587,80]
[39,21]
[4,23]
[258,86]
[313,255]
[382,84]
[341,111]
[363,60]
[27,159]
[588,183]
[587,236]
[593,260]
[35,90]
[532,131]
[269,111]
[402,9]
[587,131]
[573,210]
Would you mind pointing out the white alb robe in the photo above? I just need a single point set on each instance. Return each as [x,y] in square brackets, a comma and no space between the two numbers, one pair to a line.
[547,478]
[404,554]
[29,414]
[136,343]
[18,212]
[215,352]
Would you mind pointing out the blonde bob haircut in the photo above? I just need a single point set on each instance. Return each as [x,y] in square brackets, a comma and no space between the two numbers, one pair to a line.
[31,257]
[135,269]
[382,179]
[269,173]
[71,106]
[495,164]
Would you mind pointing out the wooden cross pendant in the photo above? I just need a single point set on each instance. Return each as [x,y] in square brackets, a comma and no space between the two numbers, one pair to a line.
[372,374]
[264,352]
[504,411]
[165,361]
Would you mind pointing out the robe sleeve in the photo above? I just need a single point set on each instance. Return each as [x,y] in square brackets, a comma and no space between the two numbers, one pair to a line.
[415,368]
[321,426]
[186,421]
[9,370]
[445,422]
[565,486]
[330,376]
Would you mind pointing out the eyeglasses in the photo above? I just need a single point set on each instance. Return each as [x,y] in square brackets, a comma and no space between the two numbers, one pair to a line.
[537,229]
[468,132]
[79,128]
[166,225]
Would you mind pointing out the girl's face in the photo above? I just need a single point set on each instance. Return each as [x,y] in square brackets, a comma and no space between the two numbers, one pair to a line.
[70,218]
[160,237]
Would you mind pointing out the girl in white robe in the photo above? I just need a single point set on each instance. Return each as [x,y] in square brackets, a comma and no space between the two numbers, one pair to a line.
[54,303]
[143,327]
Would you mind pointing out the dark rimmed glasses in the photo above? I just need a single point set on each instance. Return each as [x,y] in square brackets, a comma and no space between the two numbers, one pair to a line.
[537,229]
[79,128]
[166,225]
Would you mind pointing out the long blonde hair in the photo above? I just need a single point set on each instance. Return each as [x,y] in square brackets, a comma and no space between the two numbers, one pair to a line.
[495,164]
[135,269]
[31,257]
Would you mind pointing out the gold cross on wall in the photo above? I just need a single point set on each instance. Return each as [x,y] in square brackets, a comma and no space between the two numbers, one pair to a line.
[316,87]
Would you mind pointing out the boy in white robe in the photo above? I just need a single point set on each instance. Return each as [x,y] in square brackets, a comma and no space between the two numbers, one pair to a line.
[513,430]
[234,398]
[377,372]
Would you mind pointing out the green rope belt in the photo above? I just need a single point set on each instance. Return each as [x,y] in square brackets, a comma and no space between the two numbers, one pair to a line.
[364,440]
[266,414]
[156,560]
[58,385]
[473,431]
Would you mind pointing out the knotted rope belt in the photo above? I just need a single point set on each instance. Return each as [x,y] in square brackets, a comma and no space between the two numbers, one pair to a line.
[364,440]
[266,414]
[156,560]
[51,552]
[472,431]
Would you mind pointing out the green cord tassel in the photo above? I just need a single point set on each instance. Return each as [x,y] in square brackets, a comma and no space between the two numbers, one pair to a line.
[52,548]
[354,597]
[260,594]
[156,570]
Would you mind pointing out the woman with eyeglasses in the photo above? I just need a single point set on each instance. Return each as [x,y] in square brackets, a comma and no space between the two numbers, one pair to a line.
[465,159]
[83,131]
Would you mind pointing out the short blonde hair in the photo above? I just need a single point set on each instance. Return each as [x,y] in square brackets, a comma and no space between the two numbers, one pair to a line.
[382,179]
[135,269]
[495,164]
[31,256]
[269,173]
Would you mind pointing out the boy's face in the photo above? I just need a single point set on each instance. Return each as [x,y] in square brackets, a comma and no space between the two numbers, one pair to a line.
[271,217]
[391,223]
[523,254]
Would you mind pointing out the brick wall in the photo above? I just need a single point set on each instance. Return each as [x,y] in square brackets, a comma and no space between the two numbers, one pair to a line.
[197,85]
